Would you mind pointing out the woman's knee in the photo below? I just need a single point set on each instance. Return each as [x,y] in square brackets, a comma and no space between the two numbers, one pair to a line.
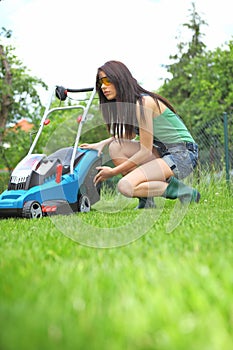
[125,187]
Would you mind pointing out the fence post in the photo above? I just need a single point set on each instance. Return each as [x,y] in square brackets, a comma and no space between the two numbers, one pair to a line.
[226,146]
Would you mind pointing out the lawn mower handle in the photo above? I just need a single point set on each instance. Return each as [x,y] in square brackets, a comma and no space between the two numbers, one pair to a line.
[80,90]
[61,92]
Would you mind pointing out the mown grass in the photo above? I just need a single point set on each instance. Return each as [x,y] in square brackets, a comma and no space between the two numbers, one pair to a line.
[166,291]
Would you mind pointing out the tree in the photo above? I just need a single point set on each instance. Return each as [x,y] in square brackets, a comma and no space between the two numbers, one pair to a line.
[200,86]
[211,97]
[182,70]
[201,89]
[6,88]
[212,86]
[18,95]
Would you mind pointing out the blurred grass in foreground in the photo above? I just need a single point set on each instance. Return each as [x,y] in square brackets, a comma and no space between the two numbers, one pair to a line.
[163,291]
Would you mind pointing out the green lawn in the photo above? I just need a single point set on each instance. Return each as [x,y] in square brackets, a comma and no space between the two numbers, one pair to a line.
[161,291]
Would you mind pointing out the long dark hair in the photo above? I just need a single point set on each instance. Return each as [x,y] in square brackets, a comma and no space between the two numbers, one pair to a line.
[120,113]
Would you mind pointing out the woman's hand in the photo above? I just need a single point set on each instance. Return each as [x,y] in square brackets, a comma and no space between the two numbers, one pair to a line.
[98,146]
[95,146]
[104,173]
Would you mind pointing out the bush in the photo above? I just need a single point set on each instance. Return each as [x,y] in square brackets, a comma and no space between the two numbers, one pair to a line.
[4,178]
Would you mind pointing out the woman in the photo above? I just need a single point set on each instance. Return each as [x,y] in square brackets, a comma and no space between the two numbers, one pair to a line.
[165,152]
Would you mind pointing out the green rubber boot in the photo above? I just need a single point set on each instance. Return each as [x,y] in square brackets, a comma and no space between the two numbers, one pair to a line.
[177,189]
[146,203]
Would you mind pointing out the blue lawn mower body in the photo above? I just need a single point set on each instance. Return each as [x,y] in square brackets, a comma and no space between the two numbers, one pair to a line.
[60,183]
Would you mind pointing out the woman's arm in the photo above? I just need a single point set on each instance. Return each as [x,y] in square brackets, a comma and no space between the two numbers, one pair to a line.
[146,138]
[146,145]
[98,146]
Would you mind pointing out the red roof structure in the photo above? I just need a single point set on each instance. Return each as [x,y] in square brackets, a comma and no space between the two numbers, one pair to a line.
[24,125]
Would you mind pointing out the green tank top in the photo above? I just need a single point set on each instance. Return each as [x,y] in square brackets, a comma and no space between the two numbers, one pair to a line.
[169,128]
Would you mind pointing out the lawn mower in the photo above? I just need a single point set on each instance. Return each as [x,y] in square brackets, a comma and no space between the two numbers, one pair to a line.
[58,183]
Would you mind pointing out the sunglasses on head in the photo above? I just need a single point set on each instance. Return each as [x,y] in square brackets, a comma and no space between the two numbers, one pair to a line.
[105,81]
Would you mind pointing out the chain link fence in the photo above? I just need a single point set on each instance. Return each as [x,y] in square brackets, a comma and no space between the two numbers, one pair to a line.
[215,141]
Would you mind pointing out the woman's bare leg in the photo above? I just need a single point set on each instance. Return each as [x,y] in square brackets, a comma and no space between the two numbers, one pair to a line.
[121,151]
[148,180]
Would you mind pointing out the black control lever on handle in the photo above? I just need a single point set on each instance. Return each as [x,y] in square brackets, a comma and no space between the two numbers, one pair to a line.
[61,93]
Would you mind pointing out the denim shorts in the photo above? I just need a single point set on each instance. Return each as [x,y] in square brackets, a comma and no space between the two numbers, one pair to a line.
[181,157]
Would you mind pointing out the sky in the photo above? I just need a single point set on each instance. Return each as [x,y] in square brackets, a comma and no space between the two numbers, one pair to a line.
[64,42]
